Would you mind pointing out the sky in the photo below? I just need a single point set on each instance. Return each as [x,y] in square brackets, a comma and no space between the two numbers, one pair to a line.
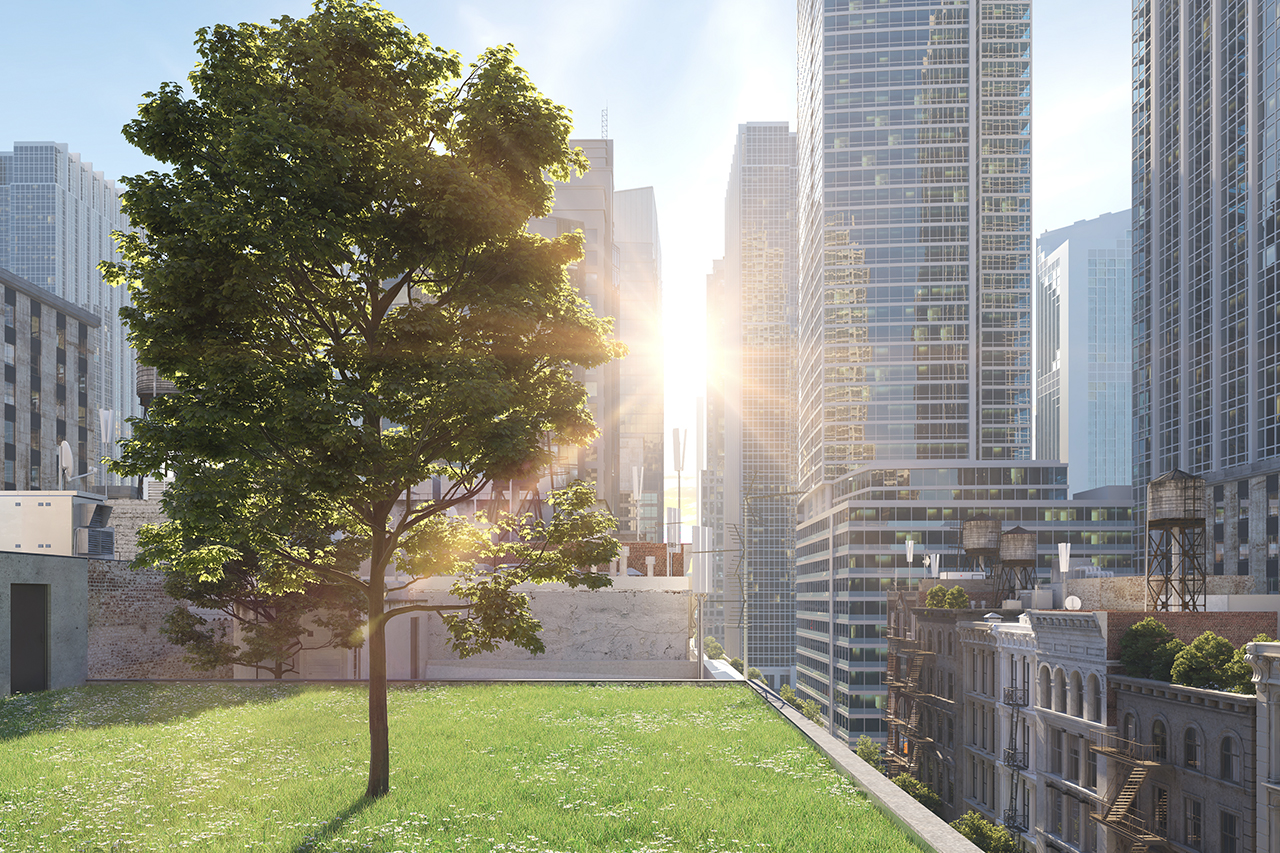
[676,76]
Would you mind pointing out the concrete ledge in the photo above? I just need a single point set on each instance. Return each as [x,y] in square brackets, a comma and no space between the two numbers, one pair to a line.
[921,825]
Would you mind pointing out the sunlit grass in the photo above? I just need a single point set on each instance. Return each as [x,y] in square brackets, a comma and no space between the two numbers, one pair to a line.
[514,768]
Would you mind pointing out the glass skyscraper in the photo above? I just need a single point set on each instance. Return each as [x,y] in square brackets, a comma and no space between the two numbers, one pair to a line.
[1206,278]
[749,485]
[56,219]
[914,211]
[1084,347]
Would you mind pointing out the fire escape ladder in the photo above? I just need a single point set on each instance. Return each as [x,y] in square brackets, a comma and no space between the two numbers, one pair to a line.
[1124,800]
[1016,761]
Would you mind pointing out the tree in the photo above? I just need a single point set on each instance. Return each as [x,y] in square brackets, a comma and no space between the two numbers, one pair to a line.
[812,711]
[957,598]
[1148,650]
[335,273]
[711,648]
[274,628]
[984,834]
[1209,662]
[936,597]
[869,751]
[754,674]
[922,792]
[738,664]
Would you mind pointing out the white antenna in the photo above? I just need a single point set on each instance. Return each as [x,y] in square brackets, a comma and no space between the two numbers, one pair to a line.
[604,122]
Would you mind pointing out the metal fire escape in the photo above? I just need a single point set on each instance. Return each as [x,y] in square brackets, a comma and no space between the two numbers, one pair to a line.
[906,738]
[1122,814]
[1015,759]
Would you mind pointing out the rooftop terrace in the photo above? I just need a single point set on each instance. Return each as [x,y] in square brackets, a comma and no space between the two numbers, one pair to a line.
[510,767]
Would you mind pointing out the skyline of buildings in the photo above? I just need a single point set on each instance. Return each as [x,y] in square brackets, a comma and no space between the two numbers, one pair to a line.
[620,276]
[56,219]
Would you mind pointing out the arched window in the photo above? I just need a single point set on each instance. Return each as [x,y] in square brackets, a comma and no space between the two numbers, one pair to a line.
[1229,759]
[951,651]
[1045,699]
[1191,748]
[1077,695]
[1060,692]
[1095,699]
[1160,740]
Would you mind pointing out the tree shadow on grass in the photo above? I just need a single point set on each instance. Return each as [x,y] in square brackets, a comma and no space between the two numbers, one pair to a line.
[334,826]
[136,703]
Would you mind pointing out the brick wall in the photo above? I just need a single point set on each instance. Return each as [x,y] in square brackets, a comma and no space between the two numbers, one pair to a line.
[1238,627]
[126,517]
[637,551]
[126,609]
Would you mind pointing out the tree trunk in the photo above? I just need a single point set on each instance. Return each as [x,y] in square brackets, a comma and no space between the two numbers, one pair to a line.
[379,747]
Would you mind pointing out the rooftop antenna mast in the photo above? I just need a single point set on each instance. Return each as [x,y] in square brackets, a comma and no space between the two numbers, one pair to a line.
[604,122]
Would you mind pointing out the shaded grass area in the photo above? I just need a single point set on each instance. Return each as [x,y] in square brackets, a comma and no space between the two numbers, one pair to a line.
[515,768]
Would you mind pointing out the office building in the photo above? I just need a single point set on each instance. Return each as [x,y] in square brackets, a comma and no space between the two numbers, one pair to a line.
[56,219]
[914,210]
[49,346]
[642,393]
[1084,350]
[750,483]
[585,204]
[1206,371]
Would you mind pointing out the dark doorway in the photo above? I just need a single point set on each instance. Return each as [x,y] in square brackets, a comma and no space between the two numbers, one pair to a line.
[28,637]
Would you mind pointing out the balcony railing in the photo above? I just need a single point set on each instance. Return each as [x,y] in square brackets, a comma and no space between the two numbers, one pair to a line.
[1015,822]
[1129,749]
[1015,758]
[1016,696]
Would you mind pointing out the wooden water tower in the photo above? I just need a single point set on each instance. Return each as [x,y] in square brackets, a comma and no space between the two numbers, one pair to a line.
[1176,542]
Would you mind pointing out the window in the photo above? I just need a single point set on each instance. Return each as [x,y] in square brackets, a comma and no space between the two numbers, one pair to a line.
[1055,755]
[1192,820]
[1077,695]
[1129,731]
[1055,816]
[1060,692]
[1160,739]
[1191,749]
[1229,837]
[1073,759]
[1229,759]
[1091,771]
[1160,810]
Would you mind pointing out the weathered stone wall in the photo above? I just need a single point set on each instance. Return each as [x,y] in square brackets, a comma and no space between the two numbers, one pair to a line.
[126,609]
[126,517]
[1128,592]
[639,628]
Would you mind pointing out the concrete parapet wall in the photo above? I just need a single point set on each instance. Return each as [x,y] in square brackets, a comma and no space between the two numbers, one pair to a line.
[925,828]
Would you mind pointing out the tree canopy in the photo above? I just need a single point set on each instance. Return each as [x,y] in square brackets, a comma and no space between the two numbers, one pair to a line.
[1148,649]
[335,272]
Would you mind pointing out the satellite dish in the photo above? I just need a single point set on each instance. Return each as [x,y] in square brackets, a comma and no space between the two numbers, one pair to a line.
[65,457]
[1072,602]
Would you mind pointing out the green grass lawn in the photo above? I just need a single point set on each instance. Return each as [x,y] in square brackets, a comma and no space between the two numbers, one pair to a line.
[510,768]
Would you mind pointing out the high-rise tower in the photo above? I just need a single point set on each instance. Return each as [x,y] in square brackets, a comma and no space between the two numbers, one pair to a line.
[641,396]
[914,210]
[1206,278]
[749,486]
[1084,347]
[56,219]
